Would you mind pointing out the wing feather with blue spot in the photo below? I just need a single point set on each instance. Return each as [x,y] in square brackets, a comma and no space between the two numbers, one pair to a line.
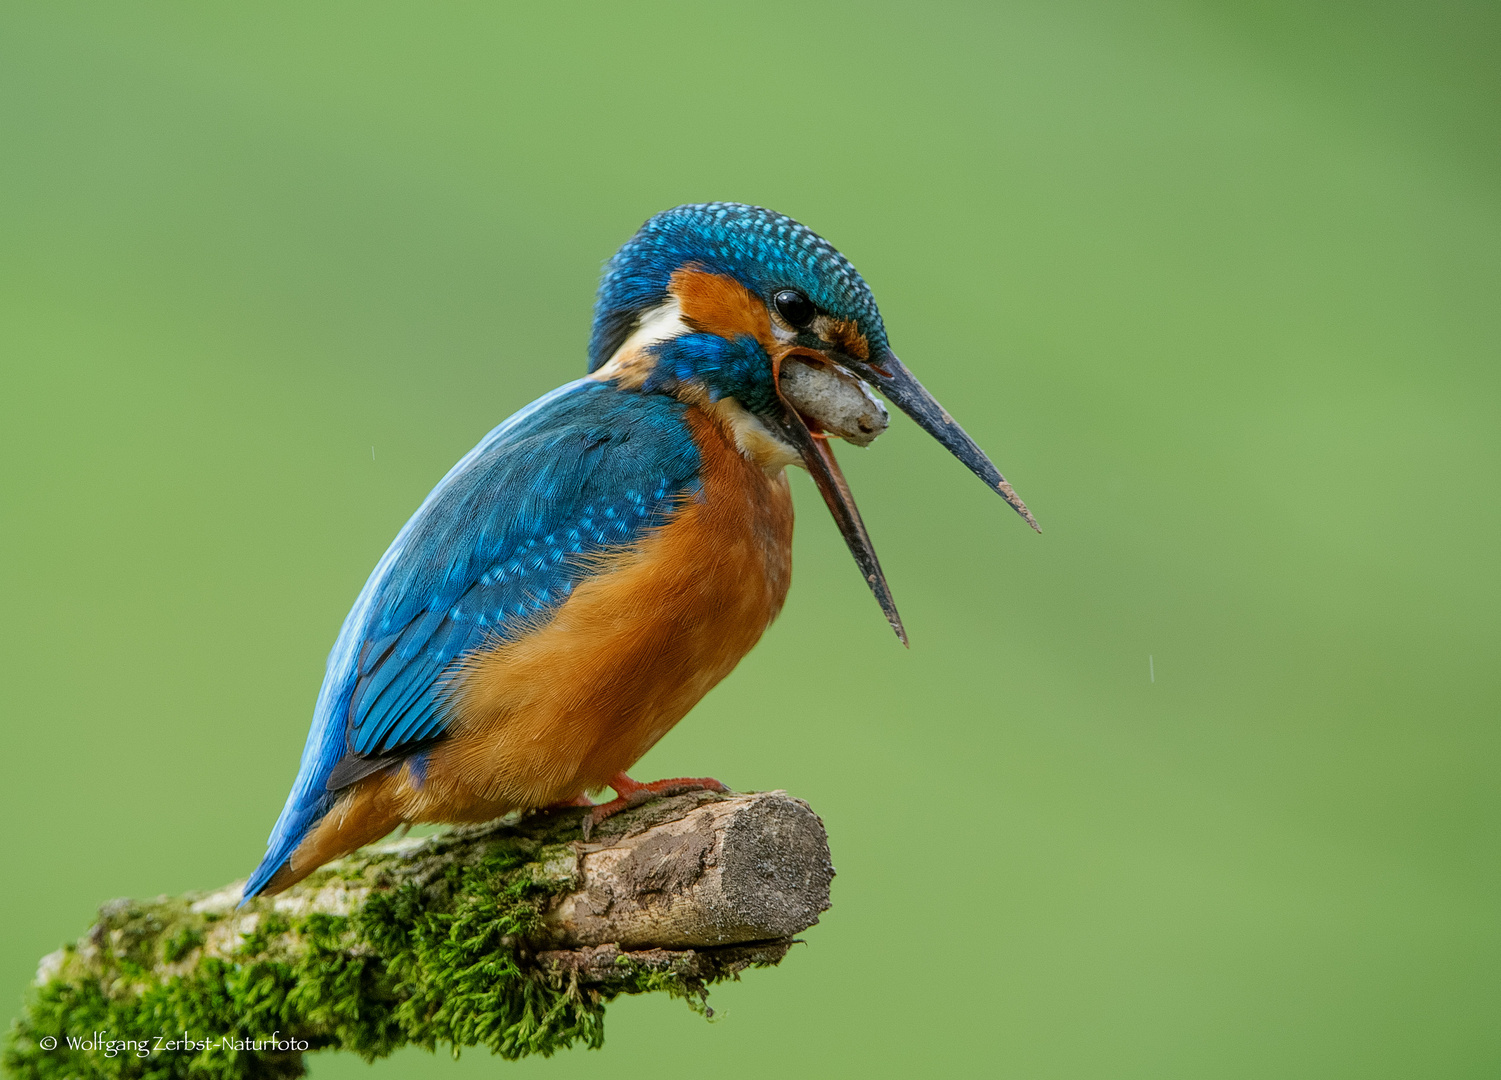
[498,545]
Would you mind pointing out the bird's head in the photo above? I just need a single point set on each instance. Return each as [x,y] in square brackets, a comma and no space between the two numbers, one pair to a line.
[746,311]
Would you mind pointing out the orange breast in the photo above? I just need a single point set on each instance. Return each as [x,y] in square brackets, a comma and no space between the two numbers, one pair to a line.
[558,712]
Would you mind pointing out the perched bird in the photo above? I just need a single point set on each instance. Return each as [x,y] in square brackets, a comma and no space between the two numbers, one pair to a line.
[604,557]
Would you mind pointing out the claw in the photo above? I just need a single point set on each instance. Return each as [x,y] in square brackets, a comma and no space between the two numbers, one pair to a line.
[629,793]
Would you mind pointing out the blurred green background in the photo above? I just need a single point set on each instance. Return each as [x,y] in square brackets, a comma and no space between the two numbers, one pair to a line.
[1217,284]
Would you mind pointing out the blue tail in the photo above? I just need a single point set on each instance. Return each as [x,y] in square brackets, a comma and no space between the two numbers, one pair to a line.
[291,828]
[310,798]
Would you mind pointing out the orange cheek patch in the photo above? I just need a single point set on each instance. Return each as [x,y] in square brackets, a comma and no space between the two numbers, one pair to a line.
[715,304]
[847,337]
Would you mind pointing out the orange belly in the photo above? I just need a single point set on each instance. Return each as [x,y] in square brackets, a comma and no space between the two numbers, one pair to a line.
[549,716]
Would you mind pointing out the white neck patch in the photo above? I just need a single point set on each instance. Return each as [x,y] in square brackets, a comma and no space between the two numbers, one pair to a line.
[661,323]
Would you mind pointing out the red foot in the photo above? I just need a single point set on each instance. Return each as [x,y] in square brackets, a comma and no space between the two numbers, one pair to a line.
[632,794]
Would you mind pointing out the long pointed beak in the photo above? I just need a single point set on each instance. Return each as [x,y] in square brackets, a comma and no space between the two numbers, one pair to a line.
[819,458]
[887,374]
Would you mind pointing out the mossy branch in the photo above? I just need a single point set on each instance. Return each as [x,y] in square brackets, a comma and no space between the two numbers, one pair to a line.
[512,937]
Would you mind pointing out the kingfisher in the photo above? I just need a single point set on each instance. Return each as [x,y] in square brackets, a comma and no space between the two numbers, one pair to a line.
[589,571]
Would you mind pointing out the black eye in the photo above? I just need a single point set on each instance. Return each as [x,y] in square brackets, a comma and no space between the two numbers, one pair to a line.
[796,308]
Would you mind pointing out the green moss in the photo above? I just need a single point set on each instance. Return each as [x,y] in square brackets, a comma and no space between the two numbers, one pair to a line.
[433,955]
[184,941]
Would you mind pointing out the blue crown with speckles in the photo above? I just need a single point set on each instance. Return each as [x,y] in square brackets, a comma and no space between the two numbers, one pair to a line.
[763,250]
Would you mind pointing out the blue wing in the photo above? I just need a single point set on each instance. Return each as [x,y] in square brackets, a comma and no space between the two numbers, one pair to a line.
[495,546]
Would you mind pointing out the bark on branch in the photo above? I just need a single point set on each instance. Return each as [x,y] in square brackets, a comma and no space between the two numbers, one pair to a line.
[512,936]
